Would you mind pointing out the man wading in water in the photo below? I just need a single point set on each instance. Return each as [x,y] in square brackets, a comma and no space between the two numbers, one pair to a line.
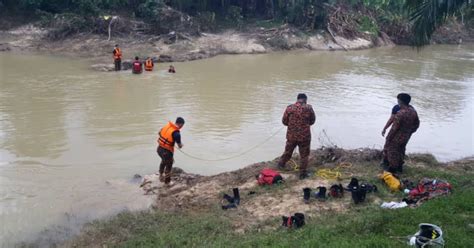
[405,123]
[167,137]
[298,117]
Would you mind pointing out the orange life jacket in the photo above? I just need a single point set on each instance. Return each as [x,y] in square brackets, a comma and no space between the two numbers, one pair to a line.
[118,53]
[165,136]
[148,65]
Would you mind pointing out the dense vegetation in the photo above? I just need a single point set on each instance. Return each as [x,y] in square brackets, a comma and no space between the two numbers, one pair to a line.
[366,15]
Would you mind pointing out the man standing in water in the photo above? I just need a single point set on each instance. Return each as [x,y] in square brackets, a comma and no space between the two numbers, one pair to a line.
[298,117]
[168,136]
[117,58]
[405,123]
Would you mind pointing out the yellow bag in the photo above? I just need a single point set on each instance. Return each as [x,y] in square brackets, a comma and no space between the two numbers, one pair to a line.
[392,182]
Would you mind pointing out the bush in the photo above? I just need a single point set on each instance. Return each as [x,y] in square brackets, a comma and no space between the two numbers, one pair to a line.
[234,14]
[367,24]
[207,20]
[149,9]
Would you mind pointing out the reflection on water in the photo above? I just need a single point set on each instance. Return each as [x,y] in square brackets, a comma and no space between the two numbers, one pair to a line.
[70,139]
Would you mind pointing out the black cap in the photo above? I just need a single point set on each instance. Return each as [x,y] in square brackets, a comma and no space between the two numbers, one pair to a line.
[179,120]
[302,96]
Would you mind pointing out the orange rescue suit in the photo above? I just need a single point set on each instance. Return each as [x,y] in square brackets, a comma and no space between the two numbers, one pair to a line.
[165,136]
[117,54]
[148,65]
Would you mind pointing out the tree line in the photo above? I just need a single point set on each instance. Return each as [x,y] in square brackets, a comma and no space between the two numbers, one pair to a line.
[423,15]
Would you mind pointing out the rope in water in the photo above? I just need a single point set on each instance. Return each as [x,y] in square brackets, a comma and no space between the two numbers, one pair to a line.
[236,155]
[335,173]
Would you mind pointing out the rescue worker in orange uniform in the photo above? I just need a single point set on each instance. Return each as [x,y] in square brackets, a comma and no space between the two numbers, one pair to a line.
[137,66]
[117,58]
[149,64]
[168,136]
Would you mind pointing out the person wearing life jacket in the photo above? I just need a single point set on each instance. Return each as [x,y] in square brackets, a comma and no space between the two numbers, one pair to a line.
[171,69]
[137,66]
[117,58]
[168,136]
[149,64]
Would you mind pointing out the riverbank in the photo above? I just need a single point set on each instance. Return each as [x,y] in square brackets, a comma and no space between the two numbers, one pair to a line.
[189,213]
[178,47]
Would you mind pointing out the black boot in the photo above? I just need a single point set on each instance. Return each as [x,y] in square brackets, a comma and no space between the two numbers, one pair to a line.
[322,193]
[228,206]
[354,183]
[236,196]
[363,192]
[355,195]
[229,198]
[299,220]
[306,195]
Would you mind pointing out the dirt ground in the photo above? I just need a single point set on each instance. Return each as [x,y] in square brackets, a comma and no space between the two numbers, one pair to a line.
[260,204]
[196,193]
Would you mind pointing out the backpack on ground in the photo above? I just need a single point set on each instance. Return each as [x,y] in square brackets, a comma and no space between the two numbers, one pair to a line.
[268,177]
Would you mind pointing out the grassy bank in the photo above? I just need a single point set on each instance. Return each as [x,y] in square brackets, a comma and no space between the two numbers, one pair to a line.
[365,225]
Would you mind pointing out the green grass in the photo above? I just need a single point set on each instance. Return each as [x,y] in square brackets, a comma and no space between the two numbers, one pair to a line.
[362,226]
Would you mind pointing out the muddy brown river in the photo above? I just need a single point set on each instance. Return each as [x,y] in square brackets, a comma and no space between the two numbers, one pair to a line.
[71,139]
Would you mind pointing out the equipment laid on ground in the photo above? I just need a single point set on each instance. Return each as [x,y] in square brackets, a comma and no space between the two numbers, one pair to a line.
[232,201]
[392,182]
[306,195]
[321,194]
[295,221]
[429,235]
[335,173]
[358,194]
[427,189]
[336,191]
[268,177]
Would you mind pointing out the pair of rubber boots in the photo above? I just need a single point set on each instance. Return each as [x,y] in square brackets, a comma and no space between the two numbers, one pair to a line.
[358,192]
[232,201]
[321,194]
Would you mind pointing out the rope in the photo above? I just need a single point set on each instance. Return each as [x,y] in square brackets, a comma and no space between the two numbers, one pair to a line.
[236,155]
[294,165]
[336,172]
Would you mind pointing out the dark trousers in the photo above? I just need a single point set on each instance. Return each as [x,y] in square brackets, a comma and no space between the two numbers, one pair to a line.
[303,147]
[118,64]
[166,163]
[394,151]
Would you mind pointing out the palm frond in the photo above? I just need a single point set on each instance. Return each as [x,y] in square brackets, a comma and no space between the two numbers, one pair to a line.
[427,15]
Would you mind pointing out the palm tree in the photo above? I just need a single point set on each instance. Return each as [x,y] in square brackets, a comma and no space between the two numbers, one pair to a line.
[427,15]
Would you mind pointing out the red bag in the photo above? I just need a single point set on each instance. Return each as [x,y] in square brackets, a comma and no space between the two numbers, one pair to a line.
[268,177]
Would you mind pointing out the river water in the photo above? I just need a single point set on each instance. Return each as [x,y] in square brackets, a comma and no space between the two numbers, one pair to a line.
[71,139]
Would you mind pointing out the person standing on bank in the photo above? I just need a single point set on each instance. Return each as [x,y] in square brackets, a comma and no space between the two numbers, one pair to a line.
[405,123]
[168,136]
[117,58]
[298,117]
